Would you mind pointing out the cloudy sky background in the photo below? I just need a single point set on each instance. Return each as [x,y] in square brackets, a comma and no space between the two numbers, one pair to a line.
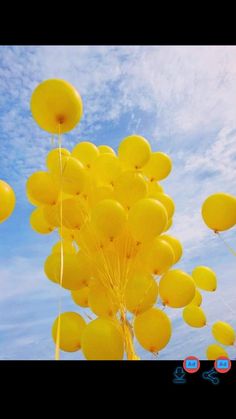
[183,100]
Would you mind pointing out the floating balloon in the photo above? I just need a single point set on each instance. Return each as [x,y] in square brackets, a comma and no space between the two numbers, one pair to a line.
[100,300]
[176,288]
[56,106]
[175,245]
[70,172]
[7,201]
[204,278]
[158,256]
[52,214]
[73,213]
[42,188]
[215,351]
[102,340]
[71,326]
[194,316]
[107,168]
[158,166]
[80,297]
[129,187]
[141,292]
[109,218]
[152,329]
[134,151]
[86,153]
[219,211]
[39,223]
[223,333]
[76,270]
[147,219]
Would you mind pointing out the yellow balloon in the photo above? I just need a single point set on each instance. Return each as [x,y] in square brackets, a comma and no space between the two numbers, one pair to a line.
[80,297]
[73,213]
[197,299]
[52,214]
[71,327]
[175,245]
[158,167]
[32,200]
[41,187]
[107,168]
[70,174]
[158,256]
[204,278]
[154,188]
[109,218]
[168,203]
[134,151]
[125,245]
[86,152]
[7,201]
[53,159]
[101,301]
[56,106]
[147,218]
[219,211]
[215,351]
[105,149]
[102,341]
[141,292]
[194,316]
[129,187]
[223,333]
[39,223]
[176,288]
[152,329]
[67,246]
[76,270]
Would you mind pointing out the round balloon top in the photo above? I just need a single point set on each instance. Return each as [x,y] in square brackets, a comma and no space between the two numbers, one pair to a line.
[7,201]
[56,106]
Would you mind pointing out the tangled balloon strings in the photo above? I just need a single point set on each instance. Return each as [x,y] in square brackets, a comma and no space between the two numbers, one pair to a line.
[117,213]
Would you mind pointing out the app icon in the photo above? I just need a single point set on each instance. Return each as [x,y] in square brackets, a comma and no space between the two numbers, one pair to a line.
[222,364]
[211,376]
[191,364]
[179,376]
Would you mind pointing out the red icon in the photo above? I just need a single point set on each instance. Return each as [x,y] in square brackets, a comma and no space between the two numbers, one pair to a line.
[222,364]
[191,364]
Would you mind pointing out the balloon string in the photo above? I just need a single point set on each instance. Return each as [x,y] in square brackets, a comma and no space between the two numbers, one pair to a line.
[57,349]
[226,244]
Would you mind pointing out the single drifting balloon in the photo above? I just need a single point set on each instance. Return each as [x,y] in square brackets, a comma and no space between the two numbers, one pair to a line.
[7,201]
[219,211]
[56,106]
[223,333]
[205,278]
[194,316]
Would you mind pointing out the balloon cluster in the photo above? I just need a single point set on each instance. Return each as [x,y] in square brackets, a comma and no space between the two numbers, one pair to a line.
[114,254]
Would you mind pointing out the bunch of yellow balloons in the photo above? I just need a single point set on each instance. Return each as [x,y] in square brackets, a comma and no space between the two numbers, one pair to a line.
[114,253]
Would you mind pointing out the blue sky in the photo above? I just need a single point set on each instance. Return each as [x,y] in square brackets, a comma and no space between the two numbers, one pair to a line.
[183,100]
